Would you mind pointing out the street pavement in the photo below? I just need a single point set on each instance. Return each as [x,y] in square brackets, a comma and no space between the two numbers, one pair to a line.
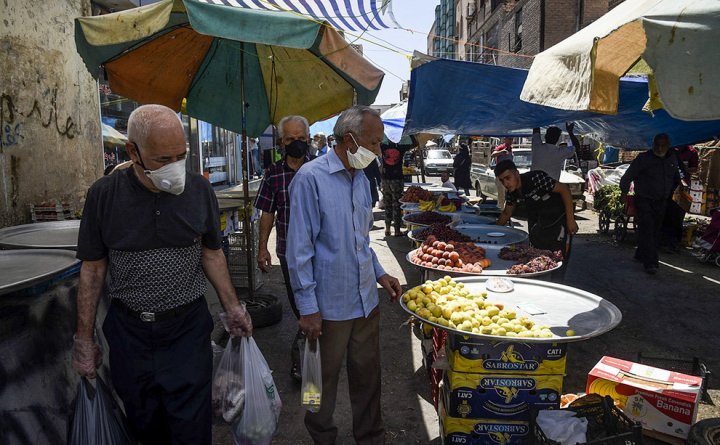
[672,314]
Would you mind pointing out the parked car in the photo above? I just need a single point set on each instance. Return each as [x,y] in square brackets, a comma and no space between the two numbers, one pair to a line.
[438,161]
[483,176]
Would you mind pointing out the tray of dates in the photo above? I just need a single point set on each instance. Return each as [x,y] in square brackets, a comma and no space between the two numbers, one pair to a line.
[415,194]
[425,219]
[529,311]
[467,258]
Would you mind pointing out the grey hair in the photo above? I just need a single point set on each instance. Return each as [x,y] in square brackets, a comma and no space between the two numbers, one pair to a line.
[292,118]
[351,120]
[146,117]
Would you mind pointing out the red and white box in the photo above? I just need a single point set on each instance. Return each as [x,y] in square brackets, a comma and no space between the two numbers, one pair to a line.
[663,401]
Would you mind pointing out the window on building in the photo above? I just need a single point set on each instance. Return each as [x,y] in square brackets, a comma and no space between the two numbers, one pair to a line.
[517,46]
[495,3]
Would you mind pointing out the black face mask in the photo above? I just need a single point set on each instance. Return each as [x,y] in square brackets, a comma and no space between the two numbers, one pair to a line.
[296,149]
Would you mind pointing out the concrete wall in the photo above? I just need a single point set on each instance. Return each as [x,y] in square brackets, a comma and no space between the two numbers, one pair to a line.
[51,141]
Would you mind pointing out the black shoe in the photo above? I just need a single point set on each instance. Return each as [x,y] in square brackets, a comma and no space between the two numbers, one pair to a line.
[295,373]
[651,269]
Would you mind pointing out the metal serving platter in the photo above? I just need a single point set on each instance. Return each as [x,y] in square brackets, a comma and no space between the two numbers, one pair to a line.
[484,234]
[44,235]
[470,218]
[498,266]
[558,306]
[414,224]
[25,267]
[480,234]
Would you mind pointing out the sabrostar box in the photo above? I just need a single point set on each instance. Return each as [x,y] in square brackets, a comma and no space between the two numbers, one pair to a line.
[500,396]
[470,354]
[663,401]
[482,431]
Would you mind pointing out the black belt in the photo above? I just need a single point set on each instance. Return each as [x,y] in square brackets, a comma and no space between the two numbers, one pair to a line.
[155,316]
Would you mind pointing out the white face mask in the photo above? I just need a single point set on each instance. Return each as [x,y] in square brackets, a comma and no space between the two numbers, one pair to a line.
[169,178]
[361,158]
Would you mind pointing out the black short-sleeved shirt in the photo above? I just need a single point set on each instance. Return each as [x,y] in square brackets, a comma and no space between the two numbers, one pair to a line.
[153,241]
[536,191]
[392,157]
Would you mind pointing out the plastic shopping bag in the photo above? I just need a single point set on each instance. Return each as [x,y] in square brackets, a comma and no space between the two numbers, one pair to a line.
[311,389]
[97,419]
[228,389]
[258,421]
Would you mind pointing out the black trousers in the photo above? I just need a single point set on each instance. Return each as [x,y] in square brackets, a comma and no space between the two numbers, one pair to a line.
[299,337]
[672,227]
[162,371]
[649,215]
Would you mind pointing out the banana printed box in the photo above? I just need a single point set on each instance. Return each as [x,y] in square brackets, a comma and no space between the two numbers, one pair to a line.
[500,396]
[663,401]
[469,354]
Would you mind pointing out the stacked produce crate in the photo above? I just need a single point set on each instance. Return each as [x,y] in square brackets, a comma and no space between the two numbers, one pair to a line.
[237,257]
[51,211]
[491,388]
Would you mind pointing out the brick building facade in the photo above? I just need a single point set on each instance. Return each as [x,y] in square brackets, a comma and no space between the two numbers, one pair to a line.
[510,32]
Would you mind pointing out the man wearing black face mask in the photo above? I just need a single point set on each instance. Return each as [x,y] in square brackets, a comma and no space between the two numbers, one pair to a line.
[273,197]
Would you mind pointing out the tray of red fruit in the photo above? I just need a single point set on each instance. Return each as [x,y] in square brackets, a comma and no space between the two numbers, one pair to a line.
[467,258]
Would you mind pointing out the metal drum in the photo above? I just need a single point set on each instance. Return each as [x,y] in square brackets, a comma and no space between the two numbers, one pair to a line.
[23,268]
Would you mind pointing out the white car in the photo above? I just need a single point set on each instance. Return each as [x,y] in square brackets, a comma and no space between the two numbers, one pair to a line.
[438,161]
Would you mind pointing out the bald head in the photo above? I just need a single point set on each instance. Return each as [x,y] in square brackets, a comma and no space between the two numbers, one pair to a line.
[149,121]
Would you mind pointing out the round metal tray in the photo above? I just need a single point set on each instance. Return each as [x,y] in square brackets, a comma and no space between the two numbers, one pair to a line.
[498,266]
[558,306]
[26,267]
[479,234]
[414,207]
[414,224]
[44,235]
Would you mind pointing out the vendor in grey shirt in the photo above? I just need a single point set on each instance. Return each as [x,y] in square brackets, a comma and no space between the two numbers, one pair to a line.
[547,156]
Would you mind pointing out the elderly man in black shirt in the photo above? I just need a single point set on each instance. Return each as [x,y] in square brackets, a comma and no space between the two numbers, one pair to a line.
[655,174]
[155,227]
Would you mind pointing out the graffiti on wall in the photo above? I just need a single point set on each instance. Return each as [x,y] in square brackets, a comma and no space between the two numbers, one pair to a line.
[13,118]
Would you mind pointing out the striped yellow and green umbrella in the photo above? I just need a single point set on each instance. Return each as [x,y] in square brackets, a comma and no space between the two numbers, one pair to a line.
[208,54]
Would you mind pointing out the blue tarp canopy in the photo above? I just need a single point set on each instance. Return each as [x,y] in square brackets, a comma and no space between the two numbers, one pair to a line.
[450,96]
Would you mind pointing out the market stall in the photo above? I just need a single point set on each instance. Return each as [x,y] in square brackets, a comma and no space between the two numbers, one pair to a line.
[498,350]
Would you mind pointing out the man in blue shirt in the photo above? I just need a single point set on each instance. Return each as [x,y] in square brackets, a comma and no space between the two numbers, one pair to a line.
[333,272]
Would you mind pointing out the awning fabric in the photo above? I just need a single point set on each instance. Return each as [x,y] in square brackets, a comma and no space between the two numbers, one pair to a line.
[676,38]
[449,96]
[349,15]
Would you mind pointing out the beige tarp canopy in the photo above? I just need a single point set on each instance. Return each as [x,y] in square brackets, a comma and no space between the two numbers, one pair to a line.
[676,39]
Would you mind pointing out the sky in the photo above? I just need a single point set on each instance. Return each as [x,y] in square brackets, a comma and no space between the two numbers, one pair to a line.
[417,15]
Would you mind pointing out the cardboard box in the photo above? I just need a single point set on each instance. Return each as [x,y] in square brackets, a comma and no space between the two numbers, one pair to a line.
[470,354]
[500,396]
[663,401]
[482,431]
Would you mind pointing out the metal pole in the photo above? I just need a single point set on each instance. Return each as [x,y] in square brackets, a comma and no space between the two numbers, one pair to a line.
[246,186]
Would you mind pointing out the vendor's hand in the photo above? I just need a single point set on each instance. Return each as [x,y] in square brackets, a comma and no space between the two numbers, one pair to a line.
[569,126]
[391,285]
[311,325]
[572,226]
[236,321]
[264,260]
[86,357]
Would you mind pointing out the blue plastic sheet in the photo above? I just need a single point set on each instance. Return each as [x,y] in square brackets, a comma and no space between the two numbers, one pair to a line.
[450,96]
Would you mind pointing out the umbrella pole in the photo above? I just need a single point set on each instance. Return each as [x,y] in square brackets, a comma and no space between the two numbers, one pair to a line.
[246,186]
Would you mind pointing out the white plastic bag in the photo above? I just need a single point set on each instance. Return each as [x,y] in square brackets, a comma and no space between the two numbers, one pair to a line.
[228,389]
[311,389]
[258,421]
